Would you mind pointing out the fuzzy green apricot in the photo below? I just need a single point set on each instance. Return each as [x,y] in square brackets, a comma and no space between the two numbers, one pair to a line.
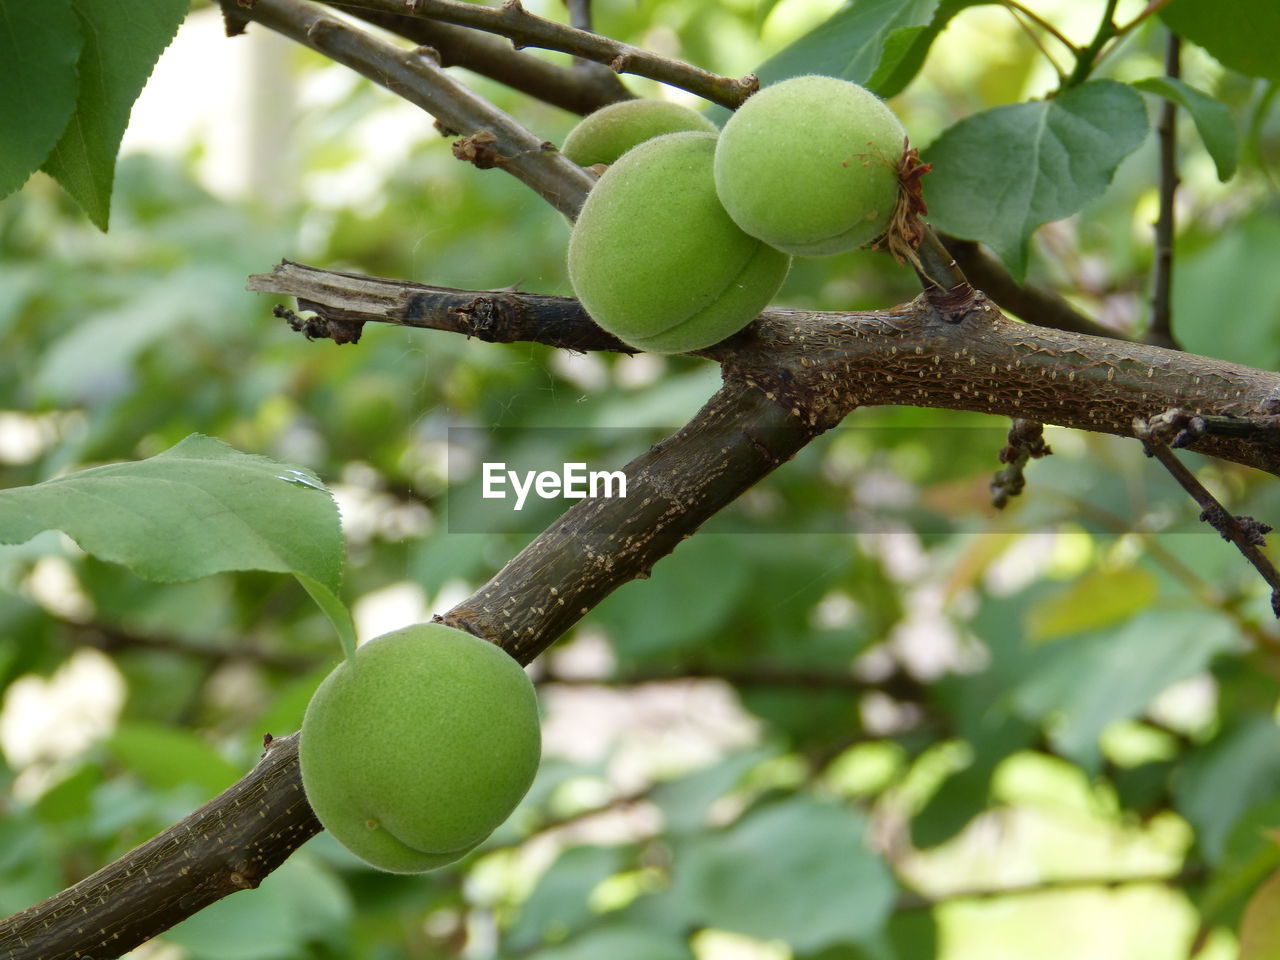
[417,748]
[810,165]
[608,133]
[655,259]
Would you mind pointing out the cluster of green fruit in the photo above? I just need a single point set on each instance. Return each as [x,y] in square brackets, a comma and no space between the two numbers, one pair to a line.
[689,234]
[419,747]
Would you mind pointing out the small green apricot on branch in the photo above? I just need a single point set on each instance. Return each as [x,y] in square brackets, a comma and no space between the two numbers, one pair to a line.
[608,133]
[419,747]
[688,236]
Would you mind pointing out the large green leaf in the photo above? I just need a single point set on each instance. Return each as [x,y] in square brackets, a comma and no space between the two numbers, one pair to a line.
[39,45]
[880,44]
[1090,682]
[836,889]
[1211,117]
[122,44]
[1000,174]
[199,508]
[1241,34]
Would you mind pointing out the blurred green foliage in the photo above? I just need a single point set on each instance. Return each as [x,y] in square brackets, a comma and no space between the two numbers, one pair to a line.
[824,729]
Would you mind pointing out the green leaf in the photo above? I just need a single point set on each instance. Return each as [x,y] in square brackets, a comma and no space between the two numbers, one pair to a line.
[1098,599]
[880,44]
[559,904]
[1211,117]
[685,801]
[122,44]
[300,902]
[691,593]
[1260,926]
[1109,676]
[1226,776]
[1000,174]
[199,508]
[837,889]
[1241,34]
[164,757]
[620,942]
[39,46]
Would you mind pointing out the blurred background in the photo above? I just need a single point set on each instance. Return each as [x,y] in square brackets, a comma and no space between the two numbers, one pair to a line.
[863,715]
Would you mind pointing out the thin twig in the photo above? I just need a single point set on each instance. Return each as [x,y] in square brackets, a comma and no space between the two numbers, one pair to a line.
[1043,24]
[1245,532]
[1017,11]
[493,57]
[1151,9]
[1032,304]
[488,137]
[524,29]
[1161,329]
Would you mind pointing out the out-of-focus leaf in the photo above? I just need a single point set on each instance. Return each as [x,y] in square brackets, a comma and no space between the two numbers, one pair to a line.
[1260,926]
[1223,778]
[70,798]
[1251,854]
[201,507]
[559,904]
[880,44]
[1098,599]
[690,594]
[165,757]
[619,942]
[300,902]
[1211,117]
[121,45]
[1000,174]
[1232,277]
[1241,34]
[39,46]
[909,935]
[685,801]
[1089,682]
[838,890]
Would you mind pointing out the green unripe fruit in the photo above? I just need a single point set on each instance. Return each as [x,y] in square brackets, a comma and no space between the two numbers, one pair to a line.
[810,165]
[419,747]
[608,133]
[655,259]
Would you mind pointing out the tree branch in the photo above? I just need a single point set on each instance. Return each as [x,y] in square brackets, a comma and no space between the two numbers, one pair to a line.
[236,839]
[526,30]
[1161,330]
[490,138]
[229,844]
[824,364]
[1033,304]
[575,90]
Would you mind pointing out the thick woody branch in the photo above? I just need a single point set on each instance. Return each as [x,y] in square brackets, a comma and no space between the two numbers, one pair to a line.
[526,30]
[575,90]
[598,545]
[229,844]
[489,137]
[825,364]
